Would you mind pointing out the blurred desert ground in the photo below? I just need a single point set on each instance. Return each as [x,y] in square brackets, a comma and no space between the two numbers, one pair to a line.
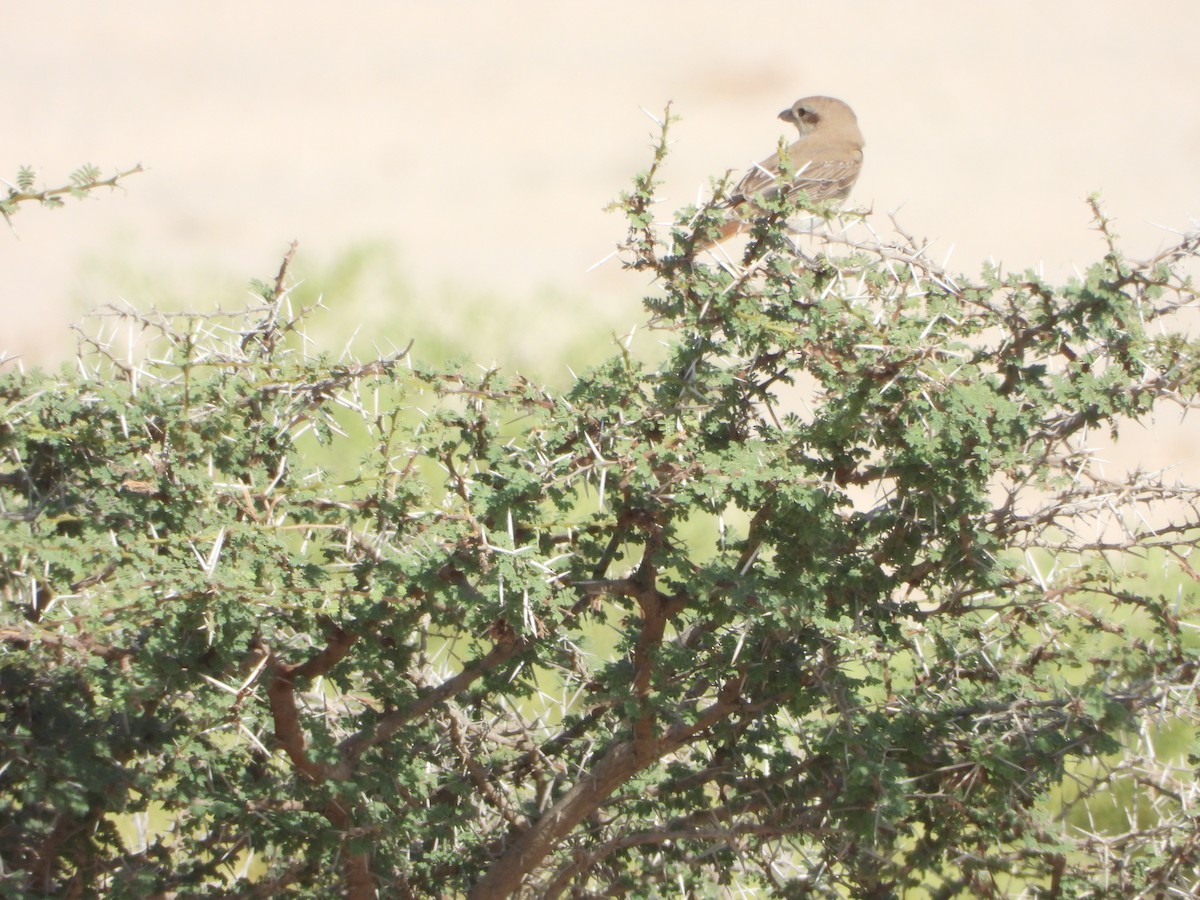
[476,144]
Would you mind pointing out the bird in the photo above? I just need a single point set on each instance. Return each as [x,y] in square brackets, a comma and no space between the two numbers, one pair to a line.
[824,161]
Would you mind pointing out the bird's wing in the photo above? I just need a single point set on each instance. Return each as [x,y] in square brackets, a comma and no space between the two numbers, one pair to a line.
[821,179]
[757,180]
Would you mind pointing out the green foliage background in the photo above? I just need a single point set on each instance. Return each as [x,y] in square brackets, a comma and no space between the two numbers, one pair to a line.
[826,601]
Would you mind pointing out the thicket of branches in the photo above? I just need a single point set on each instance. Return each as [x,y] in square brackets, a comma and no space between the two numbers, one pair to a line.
[835,601]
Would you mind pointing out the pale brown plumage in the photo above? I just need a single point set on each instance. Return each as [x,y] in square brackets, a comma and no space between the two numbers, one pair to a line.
[825,161]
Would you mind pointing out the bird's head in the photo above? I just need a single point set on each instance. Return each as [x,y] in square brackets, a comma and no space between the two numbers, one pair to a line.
[808,113]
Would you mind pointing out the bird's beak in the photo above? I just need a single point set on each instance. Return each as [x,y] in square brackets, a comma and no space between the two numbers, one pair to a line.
[787,116]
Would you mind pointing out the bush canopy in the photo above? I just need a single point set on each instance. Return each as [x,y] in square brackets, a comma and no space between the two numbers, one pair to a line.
[835,600]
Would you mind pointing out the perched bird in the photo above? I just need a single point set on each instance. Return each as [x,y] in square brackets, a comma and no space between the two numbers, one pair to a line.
[825,162]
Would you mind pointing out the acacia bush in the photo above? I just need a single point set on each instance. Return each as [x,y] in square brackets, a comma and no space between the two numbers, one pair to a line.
[834,601]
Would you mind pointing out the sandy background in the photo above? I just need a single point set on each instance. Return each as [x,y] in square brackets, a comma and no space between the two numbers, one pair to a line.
[478,142]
